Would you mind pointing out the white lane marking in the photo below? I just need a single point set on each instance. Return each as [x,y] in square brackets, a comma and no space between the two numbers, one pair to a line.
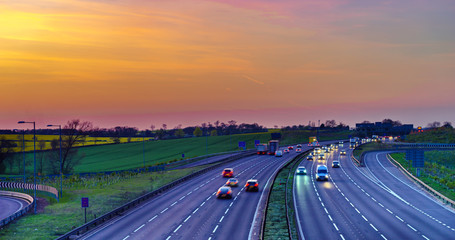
[383,237]
[173,204]
[357,210]
[177,228]
[208,198]
[126,237]
[182,198]
[335,226]
[137,229]
[373,227]
[380,204]
[341,235]
[325,209]
[151,219]
[168,238]
[227,210]
[399,218]
[425,237]
[374,199]
[365,218]
[164,210]
[230,205]
[221,219]
[415,230]
[195,210]
[389,211]
[330,218]
[202,204]
[187,218]
[214,230]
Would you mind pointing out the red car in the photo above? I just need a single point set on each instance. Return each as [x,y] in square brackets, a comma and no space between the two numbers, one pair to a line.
[228,172]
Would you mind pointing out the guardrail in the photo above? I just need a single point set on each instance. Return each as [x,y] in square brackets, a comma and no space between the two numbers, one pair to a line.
[29,186]
[443,198]
[134,203]
[26,197]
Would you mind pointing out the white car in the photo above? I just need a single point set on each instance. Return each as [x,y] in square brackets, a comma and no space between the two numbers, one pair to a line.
[322,173]
[278,153]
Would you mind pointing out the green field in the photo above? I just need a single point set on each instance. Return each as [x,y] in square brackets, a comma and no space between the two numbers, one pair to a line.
[130,155]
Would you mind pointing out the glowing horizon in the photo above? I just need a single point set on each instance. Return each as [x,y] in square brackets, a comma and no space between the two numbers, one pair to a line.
[138,63]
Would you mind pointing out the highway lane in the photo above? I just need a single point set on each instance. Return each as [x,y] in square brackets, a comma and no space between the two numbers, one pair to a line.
[11,205]
[191,209]
[375,202]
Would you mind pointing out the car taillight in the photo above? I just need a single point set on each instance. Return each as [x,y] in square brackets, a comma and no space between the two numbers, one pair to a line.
[256,185]
[218,192]
[229,192]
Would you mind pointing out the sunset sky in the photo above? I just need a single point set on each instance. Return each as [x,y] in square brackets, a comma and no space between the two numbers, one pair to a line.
[142,62]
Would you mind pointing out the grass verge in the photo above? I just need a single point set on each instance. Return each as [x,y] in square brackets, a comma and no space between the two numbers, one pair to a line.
[436,173]
[276,225]
[59,218]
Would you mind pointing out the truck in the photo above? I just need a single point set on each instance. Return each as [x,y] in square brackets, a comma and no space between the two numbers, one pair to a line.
[353,142]
[313,142]
[273,146]
[261,149]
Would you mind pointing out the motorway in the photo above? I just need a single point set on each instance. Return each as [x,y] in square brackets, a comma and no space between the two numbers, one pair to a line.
[373,202]
[11,205]
[192,211]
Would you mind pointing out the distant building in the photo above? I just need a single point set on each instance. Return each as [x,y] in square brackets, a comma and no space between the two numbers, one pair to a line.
[381,129]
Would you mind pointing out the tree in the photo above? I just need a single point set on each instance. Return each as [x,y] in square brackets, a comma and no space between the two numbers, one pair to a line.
[74,132]
[164,126]
[393,123]
[197,132]
[448,125]
[213,133]
[152,127]
[434,125]
[330,123]
[6,149]
[179,133]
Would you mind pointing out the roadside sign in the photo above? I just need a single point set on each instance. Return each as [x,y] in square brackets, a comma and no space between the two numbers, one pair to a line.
[84,202]
[242,144]
[257,142]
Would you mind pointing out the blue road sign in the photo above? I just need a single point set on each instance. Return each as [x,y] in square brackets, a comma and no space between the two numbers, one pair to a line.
[242,144]
[84,202]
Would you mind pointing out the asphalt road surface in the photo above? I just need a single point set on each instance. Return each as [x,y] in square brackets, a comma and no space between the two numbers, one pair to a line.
[9,205]
[192,211]
[373,202]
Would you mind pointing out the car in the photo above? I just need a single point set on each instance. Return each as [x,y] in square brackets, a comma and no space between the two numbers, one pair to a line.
[322,173]
[252,185]
[298,150]
[301,171]
[278,153]
[224,192]
[309,157]
[327,150]
[343,152]
[299,145]
[286,150]
[317,151]
[228,172]
[290,147]
[321,156]
[232,182]
[335,164]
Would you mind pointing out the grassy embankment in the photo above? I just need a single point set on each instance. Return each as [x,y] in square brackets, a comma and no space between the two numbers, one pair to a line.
[105,193]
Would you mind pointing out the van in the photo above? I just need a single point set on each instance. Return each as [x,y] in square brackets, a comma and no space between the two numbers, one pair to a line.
[322,173]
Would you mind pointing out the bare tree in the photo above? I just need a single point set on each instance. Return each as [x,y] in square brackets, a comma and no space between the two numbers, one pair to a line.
[448,125]
[164,126]
[330,123]
[434,125]
[152,127]
[74,133]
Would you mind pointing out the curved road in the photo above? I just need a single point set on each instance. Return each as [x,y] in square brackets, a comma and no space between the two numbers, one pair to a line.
[192,211]
[372,202]
[10,205]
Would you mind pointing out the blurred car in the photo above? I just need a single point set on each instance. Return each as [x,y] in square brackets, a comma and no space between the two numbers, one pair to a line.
[286,150]
[298,150]
[290,147]
[317,151]
[309,157]
[327,150]
[232,182]
[299,145]
[224,192]
[301,171]
[335,164]
[278,153]
[228,172]
[252,185]
[322,173]
[343,152]
[321,156]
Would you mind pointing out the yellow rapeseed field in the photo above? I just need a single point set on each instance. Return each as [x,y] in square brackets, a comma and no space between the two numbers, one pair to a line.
[43,142]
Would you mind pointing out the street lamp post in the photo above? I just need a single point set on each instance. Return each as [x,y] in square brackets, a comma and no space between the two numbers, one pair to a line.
[34,162]
[143,150]
[61,166]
